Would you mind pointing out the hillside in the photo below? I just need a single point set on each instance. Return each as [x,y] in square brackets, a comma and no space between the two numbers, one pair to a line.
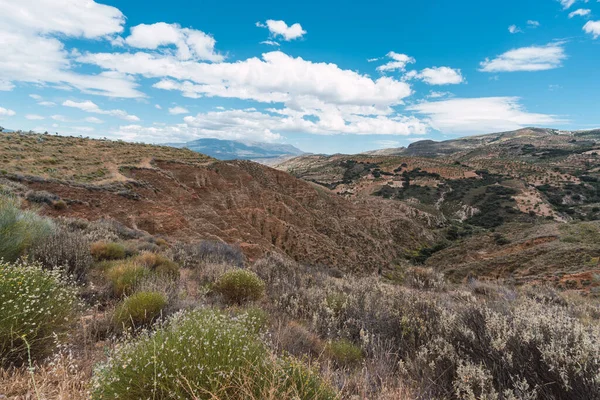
[133,271]
[187,196]
[266,153]
[538,178]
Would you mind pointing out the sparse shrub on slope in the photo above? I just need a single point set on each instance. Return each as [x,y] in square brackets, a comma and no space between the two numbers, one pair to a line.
[239,286]
[344,352]
[203,354]
[19,229]
[191,255]
[36,309]
[107,251]
[159,264]
[531,349]
[139,310]
[66,249]
[125,277]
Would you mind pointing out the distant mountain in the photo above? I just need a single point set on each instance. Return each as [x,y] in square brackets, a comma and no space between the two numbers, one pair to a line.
[266,153]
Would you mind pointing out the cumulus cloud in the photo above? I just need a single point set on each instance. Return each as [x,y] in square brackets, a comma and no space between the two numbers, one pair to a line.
[34,117]
[94,120]
[437,76]
[593,28]
[533,24]
[533,58]
[191,44]
[270,125]
[398,63]
[4,112]
[91,107]
[582,12]
[277,77]
[30,53]
[480,115]
[281,29]
[514,29]
[82,18]
[178,110]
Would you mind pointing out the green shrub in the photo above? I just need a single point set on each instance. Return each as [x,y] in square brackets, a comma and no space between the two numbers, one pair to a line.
[344,352]
[159,264]
[19,229]
[36,308]
[239,286]
[107,251]
[139,310]
[202,354]
[124,277]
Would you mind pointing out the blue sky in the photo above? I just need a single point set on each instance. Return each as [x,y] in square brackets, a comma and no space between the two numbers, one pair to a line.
[324,76]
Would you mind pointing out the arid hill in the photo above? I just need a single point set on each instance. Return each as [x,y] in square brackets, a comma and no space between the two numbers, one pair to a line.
[187,196]
[483,192]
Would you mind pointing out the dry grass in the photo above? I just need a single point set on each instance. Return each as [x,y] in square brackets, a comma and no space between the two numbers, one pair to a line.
[82,160]
[64,378]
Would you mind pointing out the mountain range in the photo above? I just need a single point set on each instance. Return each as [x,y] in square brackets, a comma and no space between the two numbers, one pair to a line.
[267,153]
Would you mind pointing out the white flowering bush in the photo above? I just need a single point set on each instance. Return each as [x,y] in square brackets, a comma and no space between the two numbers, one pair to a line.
[202,354]
[37,308]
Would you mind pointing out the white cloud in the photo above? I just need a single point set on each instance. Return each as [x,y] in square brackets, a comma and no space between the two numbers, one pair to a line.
[91,107]
[480,115]
[269,126]
[276,77]
[398,63]
[191,44]
[593,28]
[94,120]
[6,86]
[178,110]
[567,3]
[533,24]
[437,76]
[269,43]
[158,107]
[582,12]
[31,54]
[280,28]
[533,58]
[373,59]
[29,57]
[4,112]
[60,118]
[81,18]
[34,117]
[514,29]
[36,97]
[47,103]
[437,95]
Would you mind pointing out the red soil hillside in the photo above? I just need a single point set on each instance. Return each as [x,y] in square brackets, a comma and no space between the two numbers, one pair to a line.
[259,208]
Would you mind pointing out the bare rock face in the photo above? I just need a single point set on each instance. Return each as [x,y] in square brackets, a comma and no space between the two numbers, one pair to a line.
[259,208]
